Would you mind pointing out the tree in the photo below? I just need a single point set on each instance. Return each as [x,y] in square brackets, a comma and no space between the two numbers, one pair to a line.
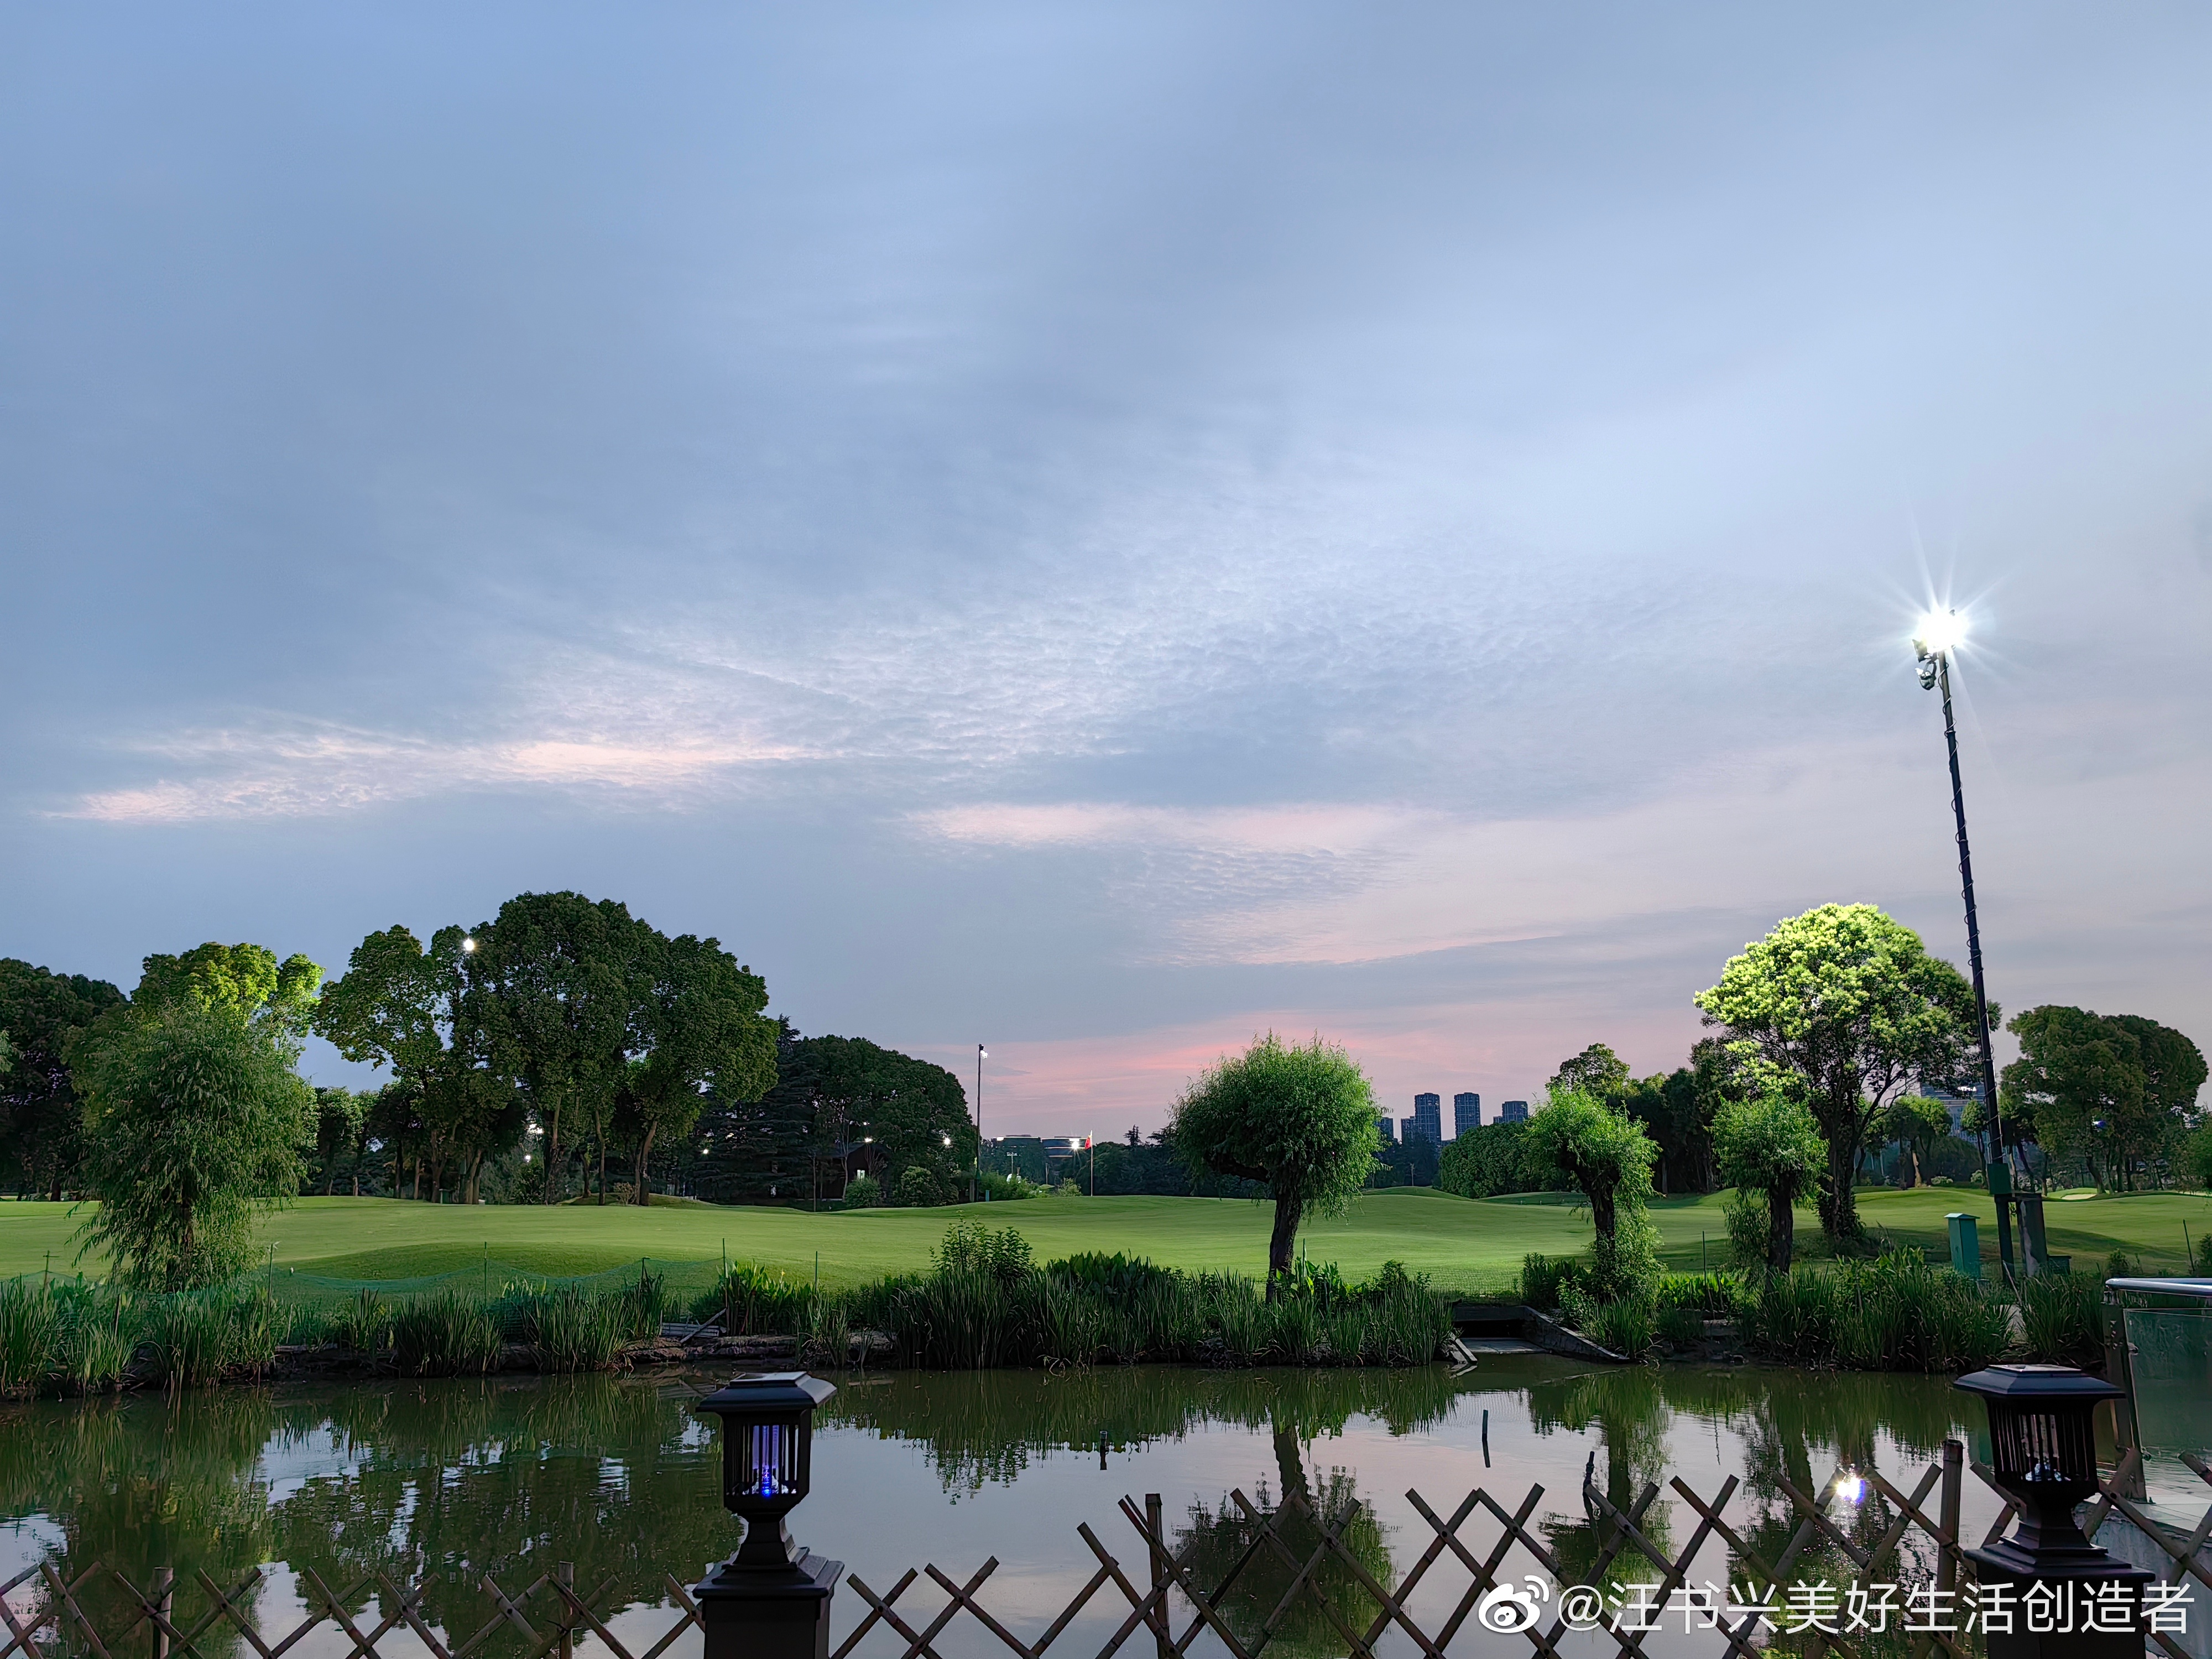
[1851,1003]
[1490,1160]
[408,1007]
[1769,1143]
[1605,1155]
[1299,1119]
[2111,1089]
[699,1018]
[1917,1122]
[41,1116]
[897,1112]
[340,1114]
[549,983]
[1596,1072]
[194,1116]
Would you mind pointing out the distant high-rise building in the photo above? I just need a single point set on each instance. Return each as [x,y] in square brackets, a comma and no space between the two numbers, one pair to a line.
[1466,1114]
[1408,1127]
[1513,1111]
[1429,1117]
[1385,1128]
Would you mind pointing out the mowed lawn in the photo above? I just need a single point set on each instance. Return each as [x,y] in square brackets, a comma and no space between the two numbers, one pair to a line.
[1460,1243]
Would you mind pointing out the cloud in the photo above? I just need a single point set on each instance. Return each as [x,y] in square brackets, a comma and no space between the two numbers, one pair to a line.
[304,773]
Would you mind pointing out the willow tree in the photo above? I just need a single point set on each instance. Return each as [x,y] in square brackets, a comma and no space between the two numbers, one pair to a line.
[1300,1120]
[1604,1154]
[1770,1144]
[194,1116]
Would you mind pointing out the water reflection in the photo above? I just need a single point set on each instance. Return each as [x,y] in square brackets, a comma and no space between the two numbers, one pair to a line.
[449,1481]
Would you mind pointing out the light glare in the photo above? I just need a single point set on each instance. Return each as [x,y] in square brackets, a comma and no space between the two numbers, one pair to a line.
[1940,633]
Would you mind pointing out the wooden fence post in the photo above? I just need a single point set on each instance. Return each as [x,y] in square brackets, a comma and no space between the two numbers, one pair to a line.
[564,1575]
[1947,1546]
[1162,1636]
[165,1579]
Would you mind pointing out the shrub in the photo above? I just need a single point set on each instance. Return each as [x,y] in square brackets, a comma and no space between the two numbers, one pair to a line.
[863,1191]
[918,1189]
[1004,1188]
[1711,1296]
[1542,1280]
[444,1334]
[1001,1253]
[1744,1213]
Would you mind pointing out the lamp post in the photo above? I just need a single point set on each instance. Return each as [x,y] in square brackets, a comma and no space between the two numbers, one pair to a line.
[975,1175]
[2065,1596]
[768,1601]
[1939,635]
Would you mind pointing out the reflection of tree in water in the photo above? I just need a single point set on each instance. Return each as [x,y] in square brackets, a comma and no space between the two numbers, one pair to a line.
[982,1427]
[451,1481]
[1628,1407]
[155,1481]
[1802,1427]
[1216,1540]
[443,1481]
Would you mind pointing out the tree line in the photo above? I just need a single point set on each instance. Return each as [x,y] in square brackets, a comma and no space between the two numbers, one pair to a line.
[1829,1032]
[531,1059]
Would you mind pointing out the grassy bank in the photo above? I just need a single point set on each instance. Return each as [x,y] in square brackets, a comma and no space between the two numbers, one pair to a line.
[1460,1243]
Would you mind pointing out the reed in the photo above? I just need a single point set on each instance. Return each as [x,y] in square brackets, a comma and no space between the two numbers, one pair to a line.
[571,1329]
[444,1334]
[1624,1326]
[2061,1318]
[30,1333]
[362,1324]
[1893,1312]
[755,1302]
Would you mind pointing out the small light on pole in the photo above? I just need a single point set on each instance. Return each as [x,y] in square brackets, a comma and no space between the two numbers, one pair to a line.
[976,1176]
[2043,1452]
[768,1601]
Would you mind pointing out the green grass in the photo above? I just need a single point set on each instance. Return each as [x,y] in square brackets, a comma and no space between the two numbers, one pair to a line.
[1458,1244]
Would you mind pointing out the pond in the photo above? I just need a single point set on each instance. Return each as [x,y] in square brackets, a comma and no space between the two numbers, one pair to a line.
[450,1481]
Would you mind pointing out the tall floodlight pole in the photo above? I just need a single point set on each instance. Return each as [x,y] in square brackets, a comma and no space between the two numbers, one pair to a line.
[976,1176]
[1939,636]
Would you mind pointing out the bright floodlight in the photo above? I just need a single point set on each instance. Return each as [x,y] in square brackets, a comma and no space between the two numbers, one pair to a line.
[468,944]
[1940,633]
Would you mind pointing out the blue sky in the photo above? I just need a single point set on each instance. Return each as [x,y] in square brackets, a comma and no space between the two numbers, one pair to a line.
[1107,529]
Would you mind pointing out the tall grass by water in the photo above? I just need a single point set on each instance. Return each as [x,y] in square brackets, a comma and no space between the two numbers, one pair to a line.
[984,1302]
[1893,1312]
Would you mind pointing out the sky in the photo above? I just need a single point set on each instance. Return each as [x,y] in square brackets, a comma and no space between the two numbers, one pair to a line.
[1107,530]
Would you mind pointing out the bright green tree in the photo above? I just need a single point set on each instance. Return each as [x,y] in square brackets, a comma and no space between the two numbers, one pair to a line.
[1605,1155]
[194,1116]
[1299,1119]
[1851,1003]
[1769,1144]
